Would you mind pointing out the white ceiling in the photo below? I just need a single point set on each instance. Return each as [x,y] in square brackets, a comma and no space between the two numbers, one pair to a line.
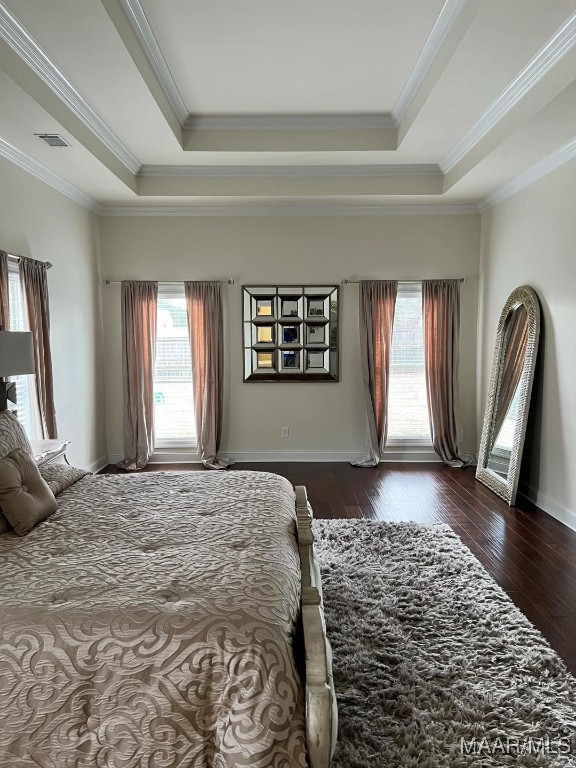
[370,102]
[271,57]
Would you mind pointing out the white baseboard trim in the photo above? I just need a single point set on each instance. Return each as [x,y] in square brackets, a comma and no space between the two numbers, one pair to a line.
[248,456]
[392,454]
[549,505]
[262,456]
[99,464]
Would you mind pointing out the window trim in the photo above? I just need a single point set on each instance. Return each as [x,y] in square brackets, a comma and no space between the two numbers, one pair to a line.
[409,290]
[164,443]
[31,421]
[173,445]
[176,289]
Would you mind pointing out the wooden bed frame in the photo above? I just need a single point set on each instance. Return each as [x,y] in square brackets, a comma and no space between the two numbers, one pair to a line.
[321,708]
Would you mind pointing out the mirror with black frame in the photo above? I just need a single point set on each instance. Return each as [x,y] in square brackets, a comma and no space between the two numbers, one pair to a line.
[290,333]
[506,414]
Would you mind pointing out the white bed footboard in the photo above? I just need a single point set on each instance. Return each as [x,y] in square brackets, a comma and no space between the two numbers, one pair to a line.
[321,709]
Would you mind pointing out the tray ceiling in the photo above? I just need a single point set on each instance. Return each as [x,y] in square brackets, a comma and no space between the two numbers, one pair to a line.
[263,102]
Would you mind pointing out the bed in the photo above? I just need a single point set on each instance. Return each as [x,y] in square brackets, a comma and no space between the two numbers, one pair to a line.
[166,620]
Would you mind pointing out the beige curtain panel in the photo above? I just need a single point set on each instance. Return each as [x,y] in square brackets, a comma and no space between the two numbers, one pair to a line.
[139,310]
[4,293]
[441,323]
[515,344]
[377,307]
[33,275]
[205,326]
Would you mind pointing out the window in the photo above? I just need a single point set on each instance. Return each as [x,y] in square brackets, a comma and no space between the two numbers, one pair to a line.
[26,407]
[173,396]
[505,439]
[407,404]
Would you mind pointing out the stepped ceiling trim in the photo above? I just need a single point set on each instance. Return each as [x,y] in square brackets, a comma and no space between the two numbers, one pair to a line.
[22,42]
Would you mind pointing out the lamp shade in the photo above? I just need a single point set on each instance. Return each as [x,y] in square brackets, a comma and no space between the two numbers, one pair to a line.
[16,353]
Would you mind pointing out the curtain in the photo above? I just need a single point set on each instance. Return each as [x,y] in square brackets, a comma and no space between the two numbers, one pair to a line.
[4,293]
[204,310]
[377,307]
[139,309]
[35,286]
[441,323]
[514,351]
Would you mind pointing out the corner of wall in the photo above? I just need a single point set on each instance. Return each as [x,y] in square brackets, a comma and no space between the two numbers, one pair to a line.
[480,324]
[97,224]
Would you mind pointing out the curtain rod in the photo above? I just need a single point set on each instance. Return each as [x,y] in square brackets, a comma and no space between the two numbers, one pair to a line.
[355,282]
[226,281]
[15,257]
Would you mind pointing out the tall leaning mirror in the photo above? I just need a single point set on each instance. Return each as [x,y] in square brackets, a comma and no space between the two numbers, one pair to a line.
[506,415]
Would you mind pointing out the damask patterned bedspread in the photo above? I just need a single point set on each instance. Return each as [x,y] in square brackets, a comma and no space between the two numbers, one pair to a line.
[149,624]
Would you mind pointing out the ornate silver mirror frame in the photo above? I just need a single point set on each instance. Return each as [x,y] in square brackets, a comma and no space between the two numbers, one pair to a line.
[520,324]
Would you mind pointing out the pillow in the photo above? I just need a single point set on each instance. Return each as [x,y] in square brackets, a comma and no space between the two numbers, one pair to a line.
[4,527]
[24,497]
[12,435]
[61,476]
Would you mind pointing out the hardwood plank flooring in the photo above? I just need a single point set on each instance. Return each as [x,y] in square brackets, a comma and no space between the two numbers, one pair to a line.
[529,554]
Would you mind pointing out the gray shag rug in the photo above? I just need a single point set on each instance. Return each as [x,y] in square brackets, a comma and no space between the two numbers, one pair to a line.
[433,664]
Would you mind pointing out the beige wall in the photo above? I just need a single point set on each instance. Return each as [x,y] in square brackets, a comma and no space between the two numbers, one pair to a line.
[323,418]
[37,221]
[531,239]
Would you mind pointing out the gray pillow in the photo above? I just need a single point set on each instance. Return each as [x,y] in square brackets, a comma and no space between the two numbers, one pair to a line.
[25,497]
[61,476]
[12,435]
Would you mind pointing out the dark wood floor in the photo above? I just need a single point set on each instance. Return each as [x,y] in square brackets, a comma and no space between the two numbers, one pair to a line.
[529,554]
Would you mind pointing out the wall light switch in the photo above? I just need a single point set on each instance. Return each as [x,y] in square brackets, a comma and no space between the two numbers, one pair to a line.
[285,431]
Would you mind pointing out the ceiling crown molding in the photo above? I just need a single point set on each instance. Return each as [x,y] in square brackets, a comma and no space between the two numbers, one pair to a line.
[286,171]
[40,171]
[557,47]
[284,210]
[20,40]
[143,31]
[440,31]
[537,171]
[289,133]
[289,122]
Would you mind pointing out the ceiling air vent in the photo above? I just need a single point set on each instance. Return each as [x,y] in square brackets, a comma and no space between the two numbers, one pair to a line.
[53,139]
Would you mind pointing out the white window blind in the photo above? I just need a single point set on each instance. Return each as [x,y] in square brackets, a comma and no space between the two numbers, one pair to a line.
[407,404]
[26,408]
[173,397]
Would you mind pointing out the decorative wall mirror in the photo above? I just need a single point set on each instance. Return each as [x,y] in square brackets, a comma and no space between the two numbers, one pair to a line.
[506,415]
[290,332]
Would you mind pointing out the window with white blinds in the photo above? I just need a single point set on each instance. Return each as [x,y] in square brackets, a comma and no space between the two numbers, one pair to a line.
[173,398]
[407,404]
[26,408]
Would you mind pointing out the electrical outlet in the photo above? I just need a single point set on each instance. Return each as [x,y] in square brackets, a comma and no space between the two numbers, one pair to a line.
[285,431]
